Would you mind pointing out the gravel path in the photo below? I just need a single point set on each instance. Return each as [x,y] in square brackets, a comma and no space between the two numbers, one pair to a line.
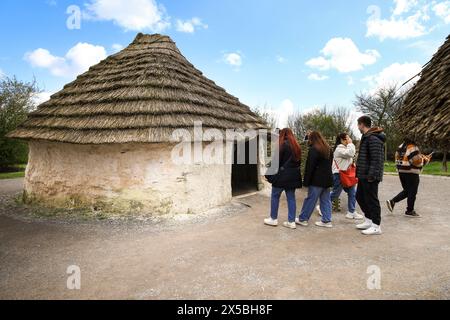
[228,254]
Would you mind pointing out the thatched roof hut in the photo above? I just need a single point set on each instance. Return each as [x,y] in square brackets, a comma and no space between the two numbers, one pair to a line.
[137,95]
[425,113]
[106,137]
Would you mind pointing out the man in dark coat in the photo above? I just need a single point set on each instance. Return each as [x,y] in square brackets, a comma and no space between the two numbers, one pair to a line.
[369,170]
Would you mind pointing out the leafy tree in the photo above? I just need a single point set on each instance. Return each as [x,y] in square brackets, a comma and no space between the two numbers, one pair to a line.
[16,101]
[328,122]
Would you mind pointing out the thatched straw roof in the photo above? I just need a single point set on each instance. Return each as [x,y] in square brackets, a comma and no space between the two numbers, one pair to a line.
[140,94]
[426,111]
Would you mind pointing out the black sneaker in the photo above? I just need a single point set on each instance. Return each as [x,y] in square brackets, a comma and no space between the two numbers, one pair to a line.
[390,204]
[412,214]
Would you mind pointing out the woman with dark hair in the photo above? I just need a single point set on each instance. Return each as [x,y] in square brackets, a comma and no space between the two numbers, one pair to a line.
[318,178]
[410,163]
[288,178]
[344,152]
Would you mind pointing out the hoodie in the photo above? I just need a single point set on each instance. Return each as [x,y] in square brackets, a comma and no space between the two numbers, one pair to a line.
[370,163]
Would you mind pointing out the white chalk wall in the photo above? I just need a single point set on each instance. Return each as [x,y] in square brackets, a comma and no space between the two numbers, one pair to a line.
[122,178]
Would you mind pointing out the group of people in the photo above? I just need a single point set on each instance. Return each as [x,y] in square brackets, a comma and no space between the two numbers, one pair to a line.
[325,168]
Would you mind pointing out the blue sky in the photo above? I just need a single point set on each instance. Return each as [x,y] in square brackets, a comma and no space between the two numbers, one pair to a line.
[291,55]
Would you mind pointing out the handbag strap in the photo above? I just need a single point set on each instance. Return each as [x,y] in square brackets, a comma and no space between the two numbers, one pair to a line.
[286,162]
[336,164]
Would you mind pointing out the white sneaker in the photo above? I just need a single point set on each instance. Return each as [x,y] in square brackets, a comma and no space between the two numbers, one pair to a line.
[324,225]
[373,230]
[355,216]
[318,210]
[290,225]
[365,225]
[271,222]
[301,223]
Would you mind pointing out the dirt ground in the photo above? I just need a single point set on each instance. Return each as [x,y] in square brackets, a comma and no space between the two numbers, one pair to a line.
[229,254]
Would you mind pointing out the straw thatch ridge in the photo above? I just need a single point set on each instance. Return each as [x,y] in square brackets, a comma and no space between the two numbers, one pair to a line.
[425,114]
[140,94]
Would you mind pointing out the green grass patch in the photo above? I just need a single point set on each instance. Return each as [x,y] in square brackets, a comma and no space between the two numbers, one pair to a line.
[13,172]
[12,175]
[434,168]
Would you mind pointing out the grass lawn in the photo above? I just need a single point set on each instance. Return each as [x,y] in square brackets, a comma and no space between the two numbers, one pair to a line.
[433,168]
[14,175]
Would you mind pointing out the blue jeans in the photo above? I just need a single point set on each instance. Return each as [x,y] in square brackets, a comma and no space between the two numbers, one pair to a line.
[275,203]
[314,194]
[337,190]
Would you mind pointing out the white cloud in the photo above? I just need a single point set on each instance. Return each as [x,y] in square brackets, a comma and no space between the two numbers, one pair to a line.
[442,10]
[282,113]
[117,47]
[285,110]
[426,47]
[281,59]
[399,25]
[350,81]
[2,74]
[76,61]
[42,58]
[189,26]
[403,6]
[233,59]
[317,77]
[401,29]
[42,97]
[409,19]
[395,74]
[84,55]
[343,55]
[134,15]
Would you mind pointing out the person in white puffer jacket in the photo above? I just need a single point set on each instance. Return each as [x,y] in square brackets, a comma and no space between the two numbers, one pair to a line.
[344,153]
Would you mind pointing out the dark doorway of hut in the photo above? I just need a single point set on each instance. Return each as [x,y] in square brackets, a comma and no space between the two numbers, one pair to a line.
[244,176]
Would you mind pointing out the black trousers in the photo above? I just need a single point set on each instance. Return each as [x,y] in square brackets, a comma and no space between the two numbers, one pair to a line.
[410,183]
[367,197]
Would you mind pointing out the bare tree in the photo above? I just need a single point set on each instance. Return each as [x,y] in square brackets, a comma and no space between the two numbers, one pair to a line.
[297,124]
[267,116]
[383,106]
[341,118]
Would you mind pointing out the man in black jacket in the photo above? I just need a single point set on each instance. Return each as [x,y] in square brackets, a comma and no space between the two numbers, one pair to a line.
[369,170]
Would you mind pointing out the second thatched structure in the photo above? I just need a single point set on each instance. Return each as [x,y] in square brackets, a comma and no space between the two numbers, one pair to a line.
[425,114]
